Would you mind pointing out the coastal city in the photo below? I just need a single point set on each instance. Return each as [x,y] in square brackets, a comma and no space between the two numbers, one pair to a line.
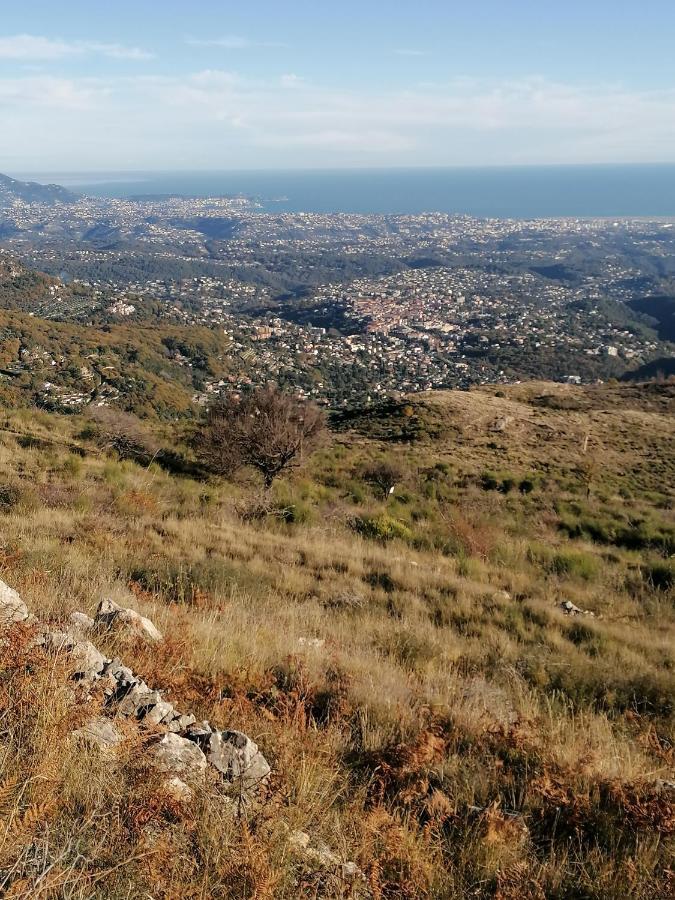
[352,308]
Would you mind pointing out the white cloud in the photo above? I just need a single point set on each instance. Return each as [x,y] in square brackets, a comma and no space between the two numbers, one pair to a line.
[219,119]
[233,42]
[45,95]
[35,47]
[291,81]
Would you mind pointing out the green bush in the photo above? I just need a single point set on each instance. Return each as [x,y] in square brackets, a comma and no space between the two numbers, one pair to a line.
[660,575]
[564,563]
[502,482]
[382,528]
[298,513]
[575,564]
[636,534]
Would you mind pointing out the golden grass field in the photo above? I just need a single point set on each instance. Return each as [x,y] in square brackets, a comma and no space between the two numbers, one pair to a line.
[452,732]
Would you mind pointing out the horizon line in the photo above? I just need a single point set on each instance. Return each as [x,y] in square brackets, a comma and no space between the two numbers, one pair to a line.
[304,169]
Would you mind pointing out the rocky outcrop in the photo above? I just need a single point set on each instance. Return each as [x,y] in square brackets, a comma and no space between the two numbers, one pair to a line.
[100,733]
[180,757]
[570,609]
[110,615]
[12,607]
[234,754]
[187,749]
[319,855]
[81,625]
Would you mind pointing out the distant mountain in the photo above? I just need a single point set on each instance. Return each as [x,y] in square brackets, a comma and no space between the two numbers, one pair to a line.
[32,192]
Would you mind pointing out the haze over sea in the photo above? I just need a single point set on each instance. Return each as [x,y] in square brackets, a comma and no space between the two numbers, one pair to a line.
[510,192]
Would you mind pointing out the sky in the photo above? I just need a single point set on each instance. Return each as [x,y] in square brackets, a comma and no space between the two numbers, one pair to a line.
[215,85]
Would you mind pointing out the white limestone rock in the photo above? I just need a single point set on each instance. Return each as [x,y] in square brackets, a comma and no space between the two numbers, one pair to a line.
[110,615]
[238,758]
[180,757]
[100,733]
[178,790]
[81,625]
[12,607]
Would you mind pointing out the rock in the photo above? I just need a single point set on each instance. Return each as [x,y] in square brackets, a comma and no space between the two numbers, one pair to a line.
[89,661]
[100,733]
[180,757]
[350,871]
[570,609]
[153,710]
[322,856]
[200,732]
[133,698]
[110,615]
[80,625]
[300,843]
[298,840]
[180,723]
[57,641]
[121,674]
[12,607]
[234,754]
[178,790]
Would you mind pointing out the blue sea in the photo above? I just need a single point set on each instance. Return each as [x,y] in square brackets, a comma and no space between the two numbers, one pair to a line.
[522,192]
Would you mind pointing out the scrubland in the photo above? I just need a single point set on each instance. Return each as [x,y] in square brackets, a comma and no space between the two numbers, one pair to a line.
[429,710]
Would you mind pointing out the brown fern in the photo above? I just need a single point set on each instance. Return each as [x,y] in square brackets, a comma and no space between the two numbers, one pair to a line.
[34,816]
[20,890]
[7,790]
[374,879]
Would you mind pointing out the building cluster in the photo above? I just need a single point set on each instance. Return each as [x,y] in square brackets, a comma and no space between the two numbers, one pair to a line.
[424,301]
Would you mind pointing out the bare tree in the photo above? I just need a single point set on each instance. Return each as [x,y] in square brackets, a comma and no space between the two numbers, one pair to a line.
[384,475]
[122,432]
[265,429]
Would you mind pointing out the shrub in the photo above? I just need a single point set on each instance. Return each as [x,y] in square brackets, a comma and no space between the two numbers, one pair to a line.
[660,575]
[382,528]
[408,649]
[384,476]
[265,429]
[296,513]
[32,442]
[10,495]
[502,482]
[575,564]
[586,638]
[124,434]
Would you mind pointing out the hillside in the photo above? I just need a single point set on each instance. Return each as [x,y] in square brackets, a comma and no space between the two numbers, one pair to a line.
[50,358]
[12,190]
[463,689]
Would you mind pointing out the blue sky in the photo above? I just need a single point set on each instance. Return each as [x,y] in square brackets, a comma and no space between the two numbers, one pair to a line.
[294,84]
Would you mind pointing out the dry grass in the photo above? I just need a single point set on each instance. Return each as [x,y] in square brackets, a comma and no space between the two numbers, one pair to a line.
[451,740]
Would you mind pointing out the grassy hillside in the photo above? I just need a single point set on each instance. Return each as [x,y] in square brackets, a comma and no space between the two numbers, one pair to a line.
[155,372]
[429,710]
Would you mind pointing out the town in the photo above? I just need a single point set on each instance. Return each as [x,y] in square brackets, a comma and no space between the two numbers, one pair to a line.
[351,308]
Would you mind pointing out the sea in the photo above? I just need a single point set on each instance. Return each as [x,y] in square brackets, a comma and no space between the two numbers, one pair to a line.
[517,192]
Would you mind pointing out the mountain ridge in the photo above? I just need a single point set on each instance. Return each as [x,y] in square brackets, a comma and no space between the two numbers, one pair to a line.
[11,190]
